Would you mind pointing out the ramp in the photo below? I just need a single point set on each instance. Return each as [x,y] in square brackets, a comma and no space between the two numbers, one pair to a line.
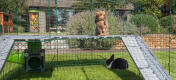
[144,59]
[5,47]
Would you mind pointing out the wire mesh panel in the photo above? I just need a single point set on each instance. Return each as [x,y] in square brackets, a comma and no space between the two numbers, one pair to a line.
[77,59]
[163,49]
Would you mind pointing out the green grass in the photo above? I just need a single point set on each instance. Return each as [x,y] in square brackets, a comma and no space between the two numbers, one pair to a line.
[163,58]
[85,66]
[16,57]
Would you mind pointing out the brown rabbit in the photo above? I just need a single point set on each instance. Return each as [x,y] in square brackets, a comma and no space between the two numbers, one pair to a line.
[102,28]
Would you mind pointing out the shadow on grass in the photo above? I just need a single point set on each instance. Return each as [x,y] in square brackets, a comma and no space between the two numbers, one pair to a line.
[127,75]
[81,62]
[84,71]
[19,73]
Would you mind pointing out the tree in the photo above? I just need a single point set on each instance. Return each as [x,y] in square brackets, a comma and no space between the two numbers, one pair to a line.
[150,7]
[169,5]
[11,6]
[93,4]
[145,21]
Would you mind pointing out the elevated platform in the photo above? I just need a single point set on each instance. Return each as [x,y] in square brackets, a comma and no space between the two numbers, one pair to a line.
[47,37]
[148,65]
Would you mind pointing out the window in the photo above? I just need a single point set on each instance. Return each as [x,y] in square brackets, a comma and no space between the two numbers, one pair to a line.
[6,18]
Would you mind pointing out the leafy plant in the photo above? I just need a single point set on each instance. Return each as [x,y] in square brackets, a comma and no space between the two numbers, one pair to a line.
[83,23]
[145,21]
[150,7]
[17,28]
[83,5]
[11,6]
[169,22]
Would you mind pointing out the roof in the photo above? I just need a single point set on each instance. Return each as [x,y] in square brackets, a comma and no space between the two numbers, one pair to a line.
[44,3]
[6,13]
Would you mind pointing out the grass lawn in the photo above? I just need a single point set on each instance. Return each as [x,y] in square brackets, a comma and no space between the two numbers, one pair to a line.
[163,58]
[85,66]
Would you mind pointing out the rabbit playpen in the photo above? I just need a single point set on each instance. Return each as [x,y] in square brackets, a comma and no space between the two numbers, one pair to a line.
[70,51]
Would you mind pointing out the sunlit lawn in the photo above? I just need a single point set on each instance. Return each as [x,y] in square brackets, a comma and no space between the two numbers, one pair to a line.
[85,66]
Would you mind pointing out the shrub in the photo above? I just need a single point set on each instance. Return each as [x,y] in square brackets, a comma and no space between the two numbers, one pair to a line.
[129,28]
[148,21]
[17,28]
[166,21]
[83,23]
[174,29]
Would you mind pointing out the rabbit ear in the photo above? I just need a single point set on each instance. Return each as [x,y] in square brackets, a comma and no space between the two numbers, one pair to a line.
[112,57]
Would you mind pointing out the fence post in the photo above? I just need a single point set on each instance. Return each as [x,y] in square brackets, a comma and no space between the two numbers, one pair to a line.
[170,13]
[92,7]
[56,17]
[49,15]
